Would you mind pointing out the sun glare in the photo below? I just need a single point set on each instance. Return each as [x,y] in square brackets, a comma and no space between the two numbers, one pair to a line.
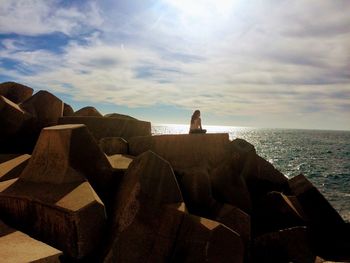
[203,9]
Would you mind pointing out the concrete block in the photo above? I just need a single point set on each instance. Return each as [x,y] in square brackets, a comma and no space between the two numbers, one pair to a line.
[114,145]
[87,112]
[15,92]
[13,167]
[102,127]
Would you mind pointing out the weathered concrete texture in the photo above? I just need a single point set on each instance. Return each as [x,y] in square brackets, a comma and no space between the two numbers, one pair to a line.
[44,107]
[120,116]
[102,127]
[12,118]
[120,161]
[71,217]
[150,223]
[12,168]
[184,151]
[288,245]
[88,112]
[68,153]
[114,145]
[67,110]
[196,190]
[278,211]
[17,247]
[15,92]
[330,234]
[235,219]
[228,184]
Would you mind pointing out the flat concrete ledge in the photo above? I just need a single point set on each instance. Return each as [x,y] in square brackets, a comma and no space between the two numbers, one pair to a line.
[102,127]
[184,150]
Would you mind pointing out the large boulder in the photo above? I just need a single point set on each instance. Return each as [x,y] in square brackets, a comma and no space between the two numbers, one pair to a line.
[102,127]
[228,184]
[12,119]
[88,111]
[12,168]
[288,245]
[114,145]
[16,246]
[45,107]
[150,223]
[330,234]
[120,116]
[15,92]
[52,198]
[67,110]
[184,151]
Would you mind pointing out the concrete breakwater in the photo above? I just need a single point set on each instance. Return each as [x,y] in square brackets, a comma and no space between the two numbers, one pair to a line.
[93,188]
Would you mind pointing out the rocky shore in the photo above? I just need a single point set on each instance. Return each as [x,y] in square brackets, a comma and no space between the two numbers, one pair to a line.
[83,187]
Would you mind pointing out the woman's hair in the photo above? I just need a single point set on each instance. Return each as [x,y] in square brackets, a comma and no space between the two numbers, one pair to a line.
[195,115]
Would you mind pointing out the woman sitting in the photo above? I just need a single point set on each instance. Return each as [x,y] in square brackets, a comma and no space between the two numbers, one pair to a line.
[196,123]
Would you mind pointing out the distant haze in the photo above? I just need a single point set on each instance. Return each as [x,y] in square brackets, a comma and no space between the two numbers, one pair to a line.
[270,63]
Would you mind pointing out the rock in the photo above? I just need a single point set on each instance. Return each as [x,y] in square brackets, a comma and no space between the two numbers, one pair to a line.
[120,116]
[196,190]
[67,110]
[44,107]
[52,199]
[235,219]
[278,211]
[114,145]
[120,161]
[12,118]
[16,246]
[101,127]
[330,235]
[288,245]
[70,217]
[184,151]
[88,112]
[229,186]
[8,157]
[15,92]
[12,168]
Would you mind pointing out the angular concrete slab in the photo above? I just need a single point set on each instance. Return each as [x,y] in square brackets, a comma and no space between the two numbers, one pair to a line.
[114,145]
[102,127]
[67,110]
[15,92]
[120,116]
[17,247]
[12,118]
[13,167]
[45,107]
[52,198]
[120,161]
[88,112]
[287,245]
[184,151]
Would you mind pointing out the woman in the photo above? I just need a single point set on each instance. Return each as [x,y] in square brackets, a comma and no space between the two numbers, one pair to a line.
[196,123]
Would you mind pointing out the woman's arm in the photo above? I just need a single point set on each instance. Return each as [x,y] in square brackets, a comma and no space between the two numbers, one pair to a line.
[200,123]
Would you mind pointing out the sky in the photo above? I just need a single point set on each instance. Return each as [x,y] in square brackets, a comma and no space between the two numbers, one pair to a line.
[255,63]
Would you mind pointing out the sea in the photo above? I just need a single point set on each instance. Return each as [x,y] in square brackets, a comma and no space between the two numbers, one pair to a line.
[322,156]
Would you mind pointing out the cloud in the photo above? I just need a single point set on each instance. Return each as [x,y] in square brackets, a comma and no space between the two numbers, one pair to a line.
[268,68]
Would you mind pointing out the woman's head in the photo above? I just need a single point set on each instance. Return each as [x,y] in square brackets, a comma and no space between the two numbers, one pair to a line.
[196,113]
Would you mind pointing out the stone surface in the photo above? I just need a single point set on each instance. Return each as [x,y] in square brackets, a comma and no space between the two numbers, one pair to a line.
[120,116]
[17,247]
[45,107]
[114,145]
[102,127]
[196,190]
[7,157]
[15,92]
[184,151]
[288,245]
[228,185]
[12,168]
[120,161]
[52,199]
[278,211]
[67,110]
[12,118]
[88,112]
[330,234]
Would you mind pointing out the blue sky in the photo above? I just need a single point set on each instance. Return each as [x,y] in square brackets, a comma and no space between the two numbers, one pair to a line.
[256,63]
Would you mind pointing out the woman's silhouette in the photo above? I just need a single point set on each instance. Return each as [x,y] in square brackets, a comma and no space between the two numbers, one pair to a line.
[196,123]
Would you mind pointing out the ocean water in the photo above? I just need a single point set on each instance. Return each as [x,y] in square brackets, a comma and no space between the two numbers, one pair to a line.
[322,156]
